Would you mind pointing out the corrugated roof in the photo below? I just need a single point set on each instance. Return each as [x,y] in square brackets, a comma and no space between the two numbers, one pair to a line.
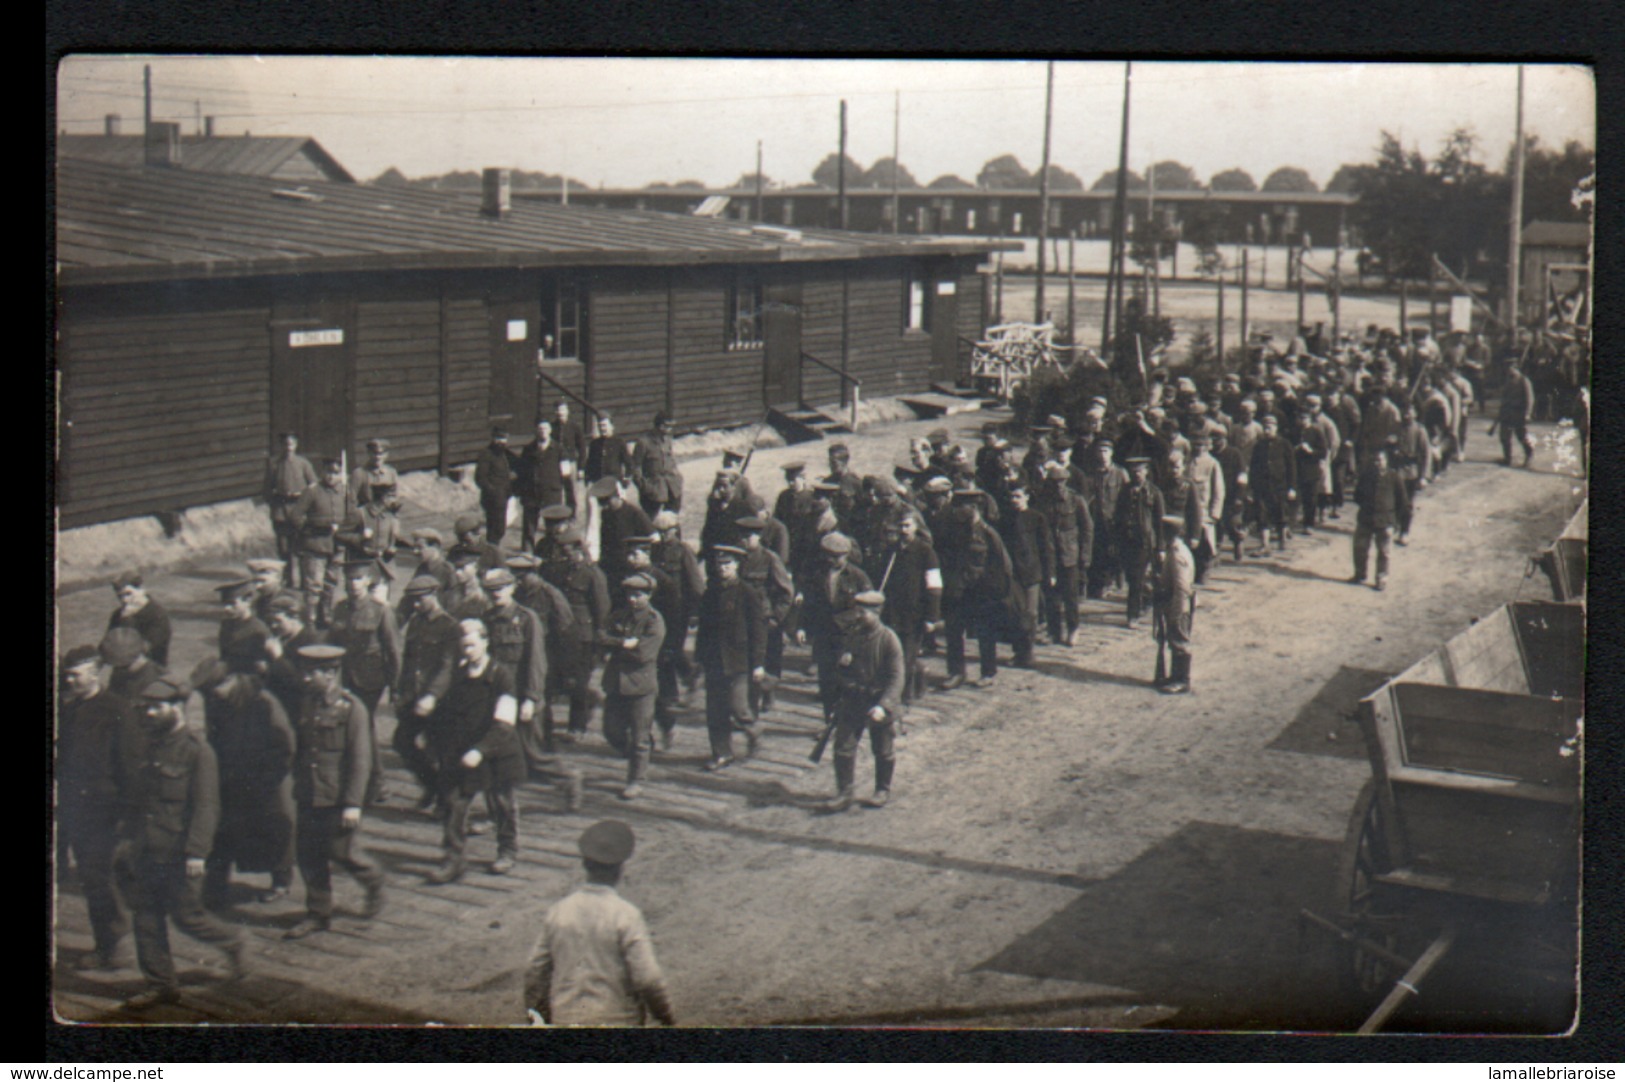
[243,155]
[1135,194]
[1557,234]
[116,224]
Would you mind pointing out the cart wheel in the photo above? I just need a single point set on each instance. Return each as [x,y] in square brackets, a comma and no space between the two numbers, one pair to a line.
[1369,907]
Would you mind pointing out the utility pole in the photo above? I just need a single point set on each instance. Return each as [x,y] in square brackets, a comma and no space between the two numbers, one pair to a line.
[1072,287]
[1219,278]
[896,126]
[840,170]
[1113,317]
[197,117]
[759,181]
[1245,255]
[1043,194]
[1154,233]
[1299,260]
[1515,240]
[146,108]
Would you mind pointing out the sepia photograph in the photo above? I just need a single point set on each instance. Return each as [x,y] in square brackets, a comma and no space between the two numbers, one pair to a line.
[957,544]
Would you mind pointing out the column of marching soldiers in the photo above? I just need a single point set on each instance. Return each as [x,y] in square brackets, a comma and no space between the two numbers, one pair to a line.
[872,573]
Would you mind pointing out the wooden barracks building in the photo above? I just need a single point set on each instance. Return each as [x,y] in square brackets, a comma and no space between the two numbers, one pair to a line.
[200,313]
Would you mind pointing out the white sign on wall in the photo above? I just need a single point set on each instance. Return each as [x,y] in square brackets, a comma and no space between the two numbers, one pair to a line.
[1461,313]
[332,336]
[946,289]
[518,330]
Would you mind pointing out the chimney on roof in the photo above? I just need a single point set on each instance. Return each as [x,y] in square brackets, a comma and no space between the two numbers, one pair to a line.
[113,124]
[208,127]
[164,144]
[496,192]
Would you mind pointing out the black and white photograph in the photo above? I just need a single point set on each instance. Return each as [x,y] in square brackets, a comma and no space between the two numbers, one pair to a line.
[966,544]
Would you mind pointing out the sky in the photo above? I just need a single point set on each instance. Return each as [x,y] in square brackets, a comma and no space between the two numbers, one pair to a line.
[629,122]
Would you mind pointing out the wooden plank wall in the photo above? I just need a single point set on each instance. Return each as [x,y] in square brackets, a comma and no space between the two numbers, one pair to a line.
[167,391]
[887,360]
[468,342]
[627,322]
[714,385]
[821,332]
[397,372]
[970,318]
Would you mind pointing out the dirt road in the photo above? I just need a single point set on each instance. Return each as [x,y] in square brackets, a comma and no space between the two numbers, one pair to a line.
[1067,848]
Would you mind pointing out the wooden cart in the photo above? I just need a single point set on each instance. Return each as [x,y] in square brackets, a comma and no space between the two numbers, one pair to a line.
[1466,838]
[1565,562]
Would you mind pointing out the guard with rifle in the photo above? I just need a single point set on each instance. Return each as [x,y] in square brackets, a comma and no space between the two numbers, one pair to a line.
[869,678]
[1175,608]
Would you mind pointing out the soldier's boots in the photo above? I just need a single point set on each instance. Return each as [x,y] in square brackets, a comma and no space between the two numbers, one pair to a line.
[449,872]
[374,903]
[574,791]
[884,769]
[503,864]
[845,784]
[236,961]
[307,927]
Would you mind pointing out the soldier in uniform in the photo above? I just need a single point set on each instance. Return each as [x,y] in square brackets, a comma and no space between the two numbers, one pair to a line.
[332,765]
[1138,519]
[94,733]
[607,455]
[727,502]
[572,441]
[267,576]
[1027,539]
[584,587]
[242,637]
[550,548]
[1175,602]
[372,531]
[466,597]
[540,482]
[869,676]
[432,642]
[617,521]
[470,530]
[430,547]
[139,611]
[976,588]
[287,475]
[173,809]
[731,647]
[1272,477]
[1382,497]
[494,477]
[911,578]
[671,557]
[125,652]
[253,744]
[1208,480]
[318,514]
[283,674]
[833,589]
[594,964]
[1072,537]
[517,641]
[848,485]
[366,629]
[763,572]
[475,735]
[1103,481]
[375,471]
[796,508]
[633,638]
[654,468]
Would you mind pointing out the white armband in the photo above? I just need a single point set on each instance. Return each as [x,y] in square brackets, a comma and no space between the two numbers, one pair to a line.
[507,710]
[933,578]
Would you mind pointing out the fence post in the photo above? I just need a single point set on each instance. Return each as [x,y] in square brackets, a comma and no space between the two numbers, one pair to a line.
[856,393]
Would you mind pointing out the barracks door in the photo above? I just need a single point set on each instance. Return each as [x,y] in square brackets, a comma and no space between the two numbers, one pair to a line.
[313,373]
[944,327]
[781,345]
[515,342]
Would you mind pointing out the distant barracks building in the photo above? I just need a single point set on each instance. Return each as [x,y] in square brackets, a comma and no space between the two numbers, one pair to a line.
[199,314]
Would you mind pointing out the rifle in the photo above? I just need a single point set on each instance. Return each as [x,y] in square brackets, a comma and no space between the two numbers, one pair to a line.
[817,755]
[744,467]
[1161,636]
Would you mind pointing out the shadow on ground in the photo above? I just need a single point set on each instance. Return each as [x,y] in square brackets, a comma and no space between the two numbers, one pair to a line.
[1327,724]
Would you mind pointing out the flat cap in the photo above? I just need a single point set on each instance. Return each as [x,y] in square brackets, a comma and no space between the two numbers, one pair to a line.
[1197,408]
[792,468]
[261,564]
[1055,471]
[603,488]
[498,576]
[166,689]
[1104,441]
[429,536]
[499,433]
[666,520]
[422,584]
[460,556]
[469,522]
[232,591]
[732,460]
[839,450]
[608,841]
[938,483]
[937,435]
[321,655]
[79,655]
[209,672]
[1057,422]
[1099,400]
[727,552]
[826,486]
[288,604]
[642,540]
[1137,460]
[522,561]
[967,493]
[639,581]
[570,535]
[557,512]
[126,578]
[365,565]
[871,599]
[122,645]
[835,544]
[750,522]
[378,444]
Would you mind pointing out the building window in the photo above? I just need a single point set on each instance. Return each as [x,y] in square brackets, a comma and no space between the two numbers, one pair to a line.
[917,310]
[744,313]
[561,337]
[1015,222]
[970,220]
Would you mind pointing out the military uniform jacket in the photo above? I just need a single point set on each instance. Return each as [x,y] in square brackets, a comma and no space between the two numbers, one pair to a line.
[720,519]
[572,441]
[844,501]
[1414,455]
[550,606]
[93,736]
[1032,553]
[827,594]
[519,644]
[432,648]
[1381,497]
[494,473]
[283,676]
[1100,492]
[466,601]
[615,525]
[286,478]
[914,591]
[587,591]
[242,644]
[362,478]
[151,622]
[607,456]
[334,757]
[1180,498]
[733,630]
[370,531]
[174,800]
[372,651]
[1208,480]
[1139,517]
[1072,528]
[318,515]
[1379,421]
[678,561]
[654,464]
[252,738]
[541,480]
[798,510]
[764,572]
[869,671]
[633,672]
[1272,469]
[465,720]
